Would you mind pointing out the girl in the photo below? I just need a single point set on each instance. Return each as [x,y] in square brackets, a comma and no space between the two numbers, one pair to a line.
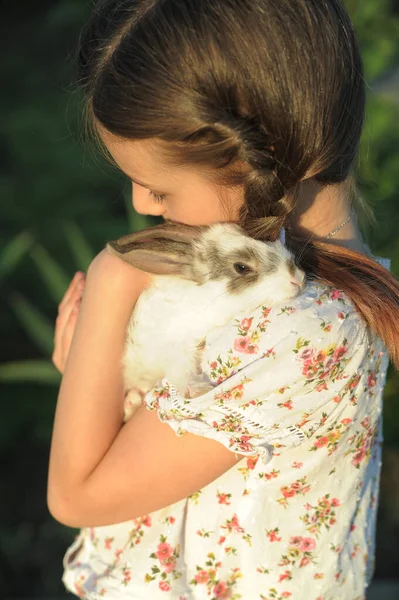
[247,111]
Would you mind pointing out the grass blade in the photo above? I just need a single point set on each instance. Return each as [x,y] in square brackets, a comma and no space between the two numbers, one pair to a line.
[39,371]
[14,252]
[53,275]
[37,326]
[80,248]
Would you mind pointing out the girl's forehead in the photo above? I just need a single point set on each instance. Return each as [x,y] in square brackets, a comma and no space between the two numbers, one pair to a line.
[142,158]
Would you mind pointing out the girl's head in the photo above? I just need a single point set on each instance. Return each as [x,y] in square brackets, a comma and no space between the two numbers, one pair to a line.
[235,104]
[176,193]
[253,96]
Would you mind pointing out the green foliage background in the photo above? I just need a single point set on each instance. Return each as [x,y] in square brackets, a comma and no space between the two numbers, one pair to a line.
[58,206]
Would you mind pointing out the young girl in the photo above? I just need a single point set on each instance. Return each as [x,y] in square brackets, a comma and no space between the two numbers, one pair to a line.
[266,487]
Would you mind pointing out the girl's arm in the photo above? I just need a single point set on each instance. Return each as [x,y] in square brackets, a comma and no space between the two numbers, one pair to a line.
[89,411]
[101,470]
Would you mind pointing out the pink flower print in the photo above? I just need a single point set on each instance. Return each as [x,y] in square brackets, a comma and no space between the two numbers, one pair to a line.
[164,551]
[335,502]
[272,475]
[366,422]
[307,545]
[220,590]
[287,492]
[251,462]
[285,575]
[286,594]
[223,498]
[296,485]
[307,354]
[213,365]
[305,560]
[296,541]
[147,521]
[201,577]
[118,554]
[297,465]
[164,586]
[339,353]
[235,393]
[359,456]
[272,535]
[246,324]
[323,441]
[243,344]
[287,404]
[336,294]
[309,369]
[126,576]
[243,443]
[327,328]
[371,380]
[107,543]
[233,525]
[346,421]
[341,316]
[222,539]
[252,349]
[172,520]
[169,564]
[322,386]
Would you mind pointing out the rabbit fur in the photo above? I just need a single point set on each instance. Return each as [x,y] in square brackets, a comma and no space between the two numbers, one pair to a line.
[196,287]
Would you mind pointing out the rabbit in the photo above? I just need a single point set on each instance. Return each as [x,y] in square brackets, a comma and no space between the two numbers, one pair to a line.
[203,276]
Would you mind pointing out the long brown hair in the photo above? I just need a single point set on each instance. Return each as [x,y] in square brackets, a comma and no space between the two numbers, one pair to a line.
[277,86]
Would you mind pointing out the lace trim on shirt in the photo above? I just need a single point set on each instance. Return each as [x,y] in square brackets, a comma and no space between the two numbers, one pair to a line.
[289,431]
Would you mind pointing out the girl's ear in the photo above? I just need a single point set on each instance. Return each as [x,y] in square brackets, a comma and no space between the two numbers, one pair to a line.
[165,249]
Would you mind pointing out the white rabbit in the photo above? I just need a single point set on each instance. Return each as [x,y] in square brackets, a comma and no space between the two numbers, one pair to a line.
[203,276]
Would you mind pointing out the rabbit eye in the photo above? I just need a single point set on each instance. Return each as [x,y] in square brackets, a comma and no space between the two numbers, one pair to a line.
[241,268]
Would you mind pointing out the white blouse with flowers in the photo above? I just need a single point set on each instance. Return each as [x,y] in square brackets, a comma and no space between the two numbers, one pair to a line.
[298,390]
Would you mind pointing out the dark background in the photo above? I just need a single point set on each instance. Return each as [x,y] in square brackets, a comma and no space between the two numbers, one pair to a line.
[59,204]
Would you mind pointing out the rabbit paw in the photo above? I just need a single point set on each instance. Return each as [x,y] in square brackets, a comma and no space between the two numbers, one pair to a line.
[199,385]
[133,400]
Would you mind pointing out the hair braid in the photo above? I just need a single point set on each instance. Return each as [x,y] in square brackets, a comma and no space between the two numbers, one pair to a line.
[271,187]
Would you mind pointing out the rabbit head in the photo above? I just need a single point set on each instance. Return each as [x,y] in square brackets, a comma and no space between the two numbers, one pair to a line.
[220,252]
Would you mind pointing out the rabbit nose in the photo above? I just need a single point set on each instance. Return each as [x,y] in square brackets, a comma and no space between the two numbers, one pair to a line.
[298,279]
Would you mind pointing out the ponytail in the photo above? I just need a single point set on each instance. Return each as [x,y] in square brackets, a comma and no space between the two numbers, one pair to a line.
[372,288]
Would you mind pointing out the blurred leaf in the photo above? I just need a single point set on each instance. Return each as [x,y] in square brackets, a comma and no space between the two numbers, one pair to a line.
[80,248]
[36,325]
[14,252]
[40,371]
[53,275]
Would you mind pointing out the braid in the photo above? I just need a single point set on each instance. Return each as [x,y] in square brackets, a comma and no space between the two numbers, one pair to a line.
[271,187]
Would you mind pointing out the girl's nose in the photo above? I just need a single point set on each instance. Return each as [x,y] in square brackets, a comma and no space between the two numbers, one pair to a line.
[144,204]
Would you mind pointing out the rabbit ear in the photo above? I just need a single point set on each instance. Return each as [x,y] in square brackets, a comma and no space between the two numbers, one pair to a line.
[165,249]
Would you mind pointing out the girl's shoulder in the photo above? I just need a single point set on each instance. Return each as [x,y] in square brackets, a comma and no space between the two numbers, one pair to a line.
[320,329]
[320,314]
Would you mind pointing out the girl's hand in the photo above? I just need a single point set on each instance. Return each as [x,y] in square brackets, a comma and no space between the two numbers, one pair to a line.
[65,323]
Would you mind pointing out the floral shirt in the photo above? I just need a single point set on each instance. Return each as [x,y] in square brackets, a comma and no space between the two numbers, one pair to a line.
[298,391]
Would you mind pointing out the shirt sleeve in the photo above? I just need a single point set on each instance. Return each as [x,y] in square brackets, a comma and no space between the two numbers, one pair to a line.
[278,374]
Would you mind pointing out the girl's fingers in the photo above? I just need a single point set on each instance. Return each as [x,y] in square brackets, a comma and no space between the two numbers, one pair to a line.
[62,323]
[64,337]
[63,316]
[78,277]
[69,330]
